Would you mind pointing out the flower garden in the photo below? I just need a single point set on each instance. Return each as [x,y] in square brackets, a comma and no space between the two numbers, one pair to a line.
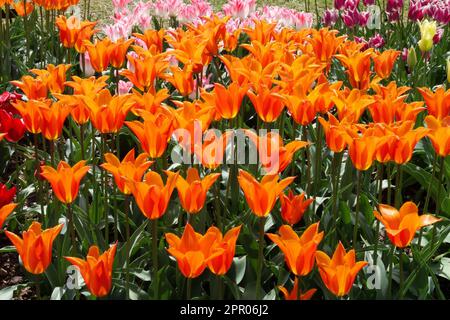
[241,150]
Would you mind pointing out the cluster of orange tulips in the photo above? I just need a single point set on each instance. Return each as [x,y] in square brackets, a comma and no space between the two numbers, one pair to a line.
[262,78]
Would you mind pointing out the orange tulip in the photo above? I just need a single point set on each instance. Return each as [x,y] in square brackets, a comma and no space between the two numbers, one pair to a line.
[325,44]
[293,295]
[193,251]
[53,76]
[401,225]
[65,180]
[148,101]
[358,68]
[145,69]
[439,134]
[73,32]
[362,151]
[267,104]
[302,110]
[261,196]
[152,196]
[31,112]
[99,52]
[384,62]
[154,133]
[273,154]
[192,191]
[5,211]
[438,102]
[339,272]
[35,246]
[181,79]
[108,112]
[336,134]
[130,167]
[227,101]
[211,151]
[2,135]
[118,51]
[96,269]
[220,264]
[293,207]
[191,51]
[351,104]
[153,39]
[23,8]
[298,251]
[33,88]
[53,119]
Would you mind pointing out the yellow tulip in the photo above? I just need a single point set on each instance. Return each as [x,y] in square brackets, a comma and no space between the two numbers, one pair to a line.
[428,30]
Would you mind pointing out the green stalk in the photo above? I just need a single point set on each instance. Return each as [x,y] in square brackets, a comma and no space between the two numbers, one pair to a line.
[427,198]
[402,276]
[155,256]
[438,199]
[358,193]
[188,288]
[335,177]
[380,195]
[71,229]
[391,266]
[105,193]
[262,221]
[127,234]
[398,186]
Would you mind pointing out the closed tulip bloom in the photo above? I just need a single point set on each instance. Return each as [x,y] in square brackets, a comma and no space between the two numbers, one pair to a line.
[358,68]
[31,112]
[73,32]
[192,190]
[267,104]
[107,112]
[220,264]
[53,119]
[99,53]
[33,88]
[428,30]
[401,225]
[261,196]
[212,149]
[438,102]
[65,180]
[154,133]
[336,134]
[226,100]
[193,251]
[11,127]
[53,76]
[339,273]
[118,51]
[362,151]
[384,62]
[298,251]
[131,168]
[293,207]
[148,101]
[181,79]
[152,196]
[293,294]
[6,195]
[302,110]
[439,134]
[5,211]
[35,246]
[96,269]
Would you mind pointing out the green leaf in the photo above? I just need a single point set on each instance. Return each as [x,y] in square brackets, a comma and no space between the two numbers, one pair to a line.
[345,212]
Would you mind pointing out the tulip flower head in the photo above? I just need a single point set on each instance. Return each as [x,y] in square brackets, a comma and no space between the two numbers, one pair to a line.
[131,168]
[65,180]
[293,294]
[261,196]
[293,207]
[298,251]
[193,251]
[5,211]
[401,225]
[6,195]
[96,269]
[192,190]
[428,30]
[339,273]
[219,265]
[35,246]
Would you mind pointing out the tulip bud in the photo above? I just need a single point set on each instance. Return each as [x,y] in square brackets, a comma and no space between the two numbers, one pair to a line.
[448,69]
[428,30]
[412,58]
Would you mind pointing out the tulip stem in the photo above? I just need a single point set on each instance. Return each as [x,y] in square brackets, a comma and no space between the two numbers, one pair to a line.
[105,193]
[299,291]
[335,177]
[39,183]
[380,195]
[262,221]
[438,199]
[127,234]
[358,194]
[318,167]
[427,198]
[82,141]
[220,287]
[71,228]
[155,255]
[401,273]
[188,288]
[391,266]
[389,183]
[398,186]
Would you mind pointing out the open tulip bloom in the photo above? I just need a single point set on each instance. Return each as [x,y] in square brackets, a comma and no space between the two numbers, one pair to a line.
[185,149]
